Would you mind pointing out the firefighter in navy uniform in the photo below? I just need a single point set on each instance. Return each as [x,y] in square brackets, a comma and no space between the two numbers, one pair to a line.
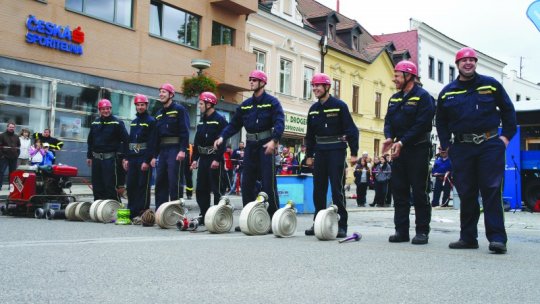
[172,136]
[407,128]
[137,163]
[329,128]
[263,118]
[471,108]
[107,141]
[205,157]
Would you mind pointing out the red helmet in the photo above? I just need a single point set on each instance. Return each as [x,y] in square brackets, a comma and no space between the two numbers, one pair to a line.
[407,67]
[104,103]
[257,74]
[320,78]
[466,52]
[167,87]
[139,98]
[208,97]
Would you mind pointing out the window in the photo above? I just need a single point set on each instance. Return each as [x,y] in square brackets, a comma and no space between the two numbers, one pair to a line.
[29,91]
[331,31]
[451,74]
[285,76]
[308,74]
[115,11]
[260,59]
[76,98]
[440,71]
[336,84]
[431,68]
[174,24]
[378,105]
[355,100]
[376,147]
[222,34]
[355,44]
[518,97]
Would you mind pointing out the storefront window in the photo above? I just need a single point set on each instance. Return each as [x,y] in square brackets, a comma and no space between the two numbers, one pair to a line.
[24,117]
[72,126]
[115,11]
[76,98]
[24,90]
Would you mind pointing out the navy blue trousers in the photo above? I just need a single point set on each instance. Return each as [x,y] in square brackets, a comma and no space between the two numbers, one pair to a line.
[105,179]
[169,176]
[138,186]
[329,166]
[480,168]
[411,171]
[208,181]
[259,167]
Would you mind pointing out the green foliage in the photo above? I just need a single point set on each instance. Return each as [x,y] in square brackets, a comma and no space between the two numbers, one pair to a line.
[194,86]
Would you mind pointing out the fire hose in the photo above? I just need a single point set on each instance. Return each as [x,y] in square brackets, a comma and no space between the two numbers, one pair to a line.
[219,218]
[284,221]
[254,218]
[167,213]
[326,223]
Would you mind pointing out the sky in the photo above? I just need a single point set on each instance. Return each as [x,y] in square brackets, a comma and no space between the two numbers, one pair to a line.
[497,28]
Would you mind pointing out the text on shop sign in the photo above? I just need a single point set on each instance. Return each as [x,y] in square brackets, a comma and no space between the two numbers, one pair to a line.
[295,123]
[50,35]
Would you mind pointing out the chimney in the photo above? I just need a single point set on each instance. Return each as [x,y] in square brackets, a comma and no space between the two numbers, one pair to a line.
[337,6]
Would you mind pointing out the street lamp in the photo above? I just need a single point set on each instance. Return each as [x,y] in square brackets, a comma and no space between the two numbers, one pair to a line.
[200,64]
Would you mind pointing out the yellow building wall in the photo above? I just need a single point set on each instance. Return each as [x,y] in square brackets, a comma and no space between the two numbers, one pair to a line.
[372,78]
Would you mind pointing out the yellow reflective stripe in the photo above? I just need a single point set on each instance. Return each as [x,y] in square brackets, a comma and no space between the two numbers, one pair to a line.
[331,110]
[453,93]
[264,106]
[486,88]
[111,122]
[246,107]
[212,122]
[395,99]
[159,116]
[172,112]
[144,125]
[96,122]
[313,112]
[133,124]
[414,98]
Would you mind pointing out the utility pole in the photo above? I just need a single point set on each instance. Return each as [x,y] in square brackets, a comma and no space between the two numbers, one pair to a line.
[520,65]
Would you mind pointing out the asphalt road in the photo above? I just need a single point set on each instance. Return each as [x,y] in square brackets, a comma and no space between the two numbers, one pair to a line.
[82,262]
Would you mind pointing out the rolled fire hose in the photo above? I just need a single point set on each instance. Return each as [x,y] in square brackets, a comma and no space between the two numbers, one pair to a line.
[219,218]
[39,213]
[168,214]
[284,221]
[82,211]
[93,210]
[326,223]
[106,211]
[52,214]
[254,218]
[70,211]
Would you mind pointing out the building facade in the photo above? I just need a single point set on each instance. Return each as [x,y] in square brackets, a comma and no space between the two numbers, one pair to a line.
[59,57]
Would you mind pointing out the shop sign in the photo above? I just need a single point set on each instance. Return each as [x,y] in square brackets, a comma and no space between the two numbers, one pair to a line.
[295,123]
[50,35]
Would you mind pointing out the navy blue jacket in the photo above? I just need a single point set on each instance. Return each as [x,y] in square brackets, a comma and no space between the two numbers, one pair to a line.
[172,122]
[107,134]
[208,130]
[409,117]
[328,119]
[475,106]
[141,131]
[257,114]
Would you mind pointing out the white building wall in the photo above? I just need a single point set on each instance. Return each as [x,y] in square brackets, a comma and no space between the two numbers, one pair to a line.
[517,86]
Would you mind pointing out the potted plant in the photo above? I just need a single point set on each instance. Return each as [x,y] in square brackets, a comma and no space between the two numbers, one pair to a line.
[197,84]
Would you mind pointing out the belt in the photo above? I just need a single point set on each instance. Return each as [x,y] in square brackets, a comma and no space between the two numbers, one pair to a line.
[424,138]
[206,150]
[476,138]
[258,136]
[137,146]
[334,139]
[105,155]
[170,140]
